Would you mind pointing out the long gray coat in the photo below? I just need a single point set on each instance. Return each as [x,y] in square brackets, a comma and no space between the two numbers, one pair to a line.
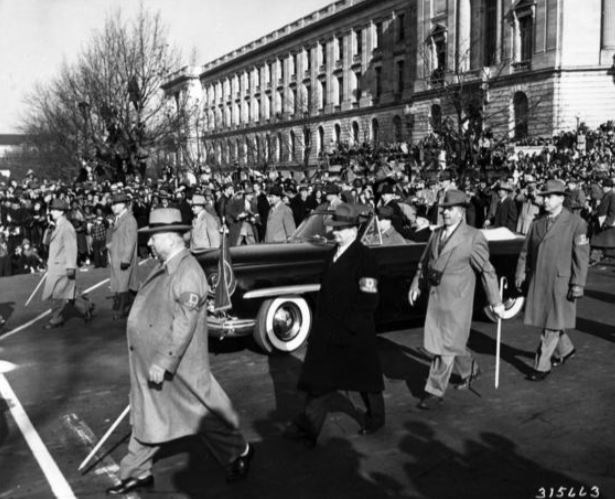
[451,303]
[550,262]
[280,224]
[62,256]
[167,327]
[122,248]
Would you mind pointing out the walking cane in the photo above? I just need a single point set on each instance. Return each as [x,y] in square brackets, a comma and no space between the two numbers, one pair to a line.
[36,289]
[499,336]
[104,438]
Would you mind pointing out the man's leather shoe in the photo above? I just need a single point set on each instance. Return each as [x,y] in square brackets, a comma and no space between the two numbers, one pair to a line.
[558,361]
[89,314]
[430,402]
[239,468]
[537,375]
[295,432]
[131,484]
[467,382]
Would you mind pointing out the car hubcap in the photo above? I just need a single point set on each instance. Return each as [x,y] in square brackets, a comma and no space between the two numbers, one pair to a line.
[287,322]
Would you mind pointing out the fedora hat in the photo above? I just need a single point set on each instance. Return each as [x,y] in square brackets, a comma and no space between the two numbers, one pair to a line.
[331,188]
[454,197]
[198,200]
[276,190]
[553,187]
[505,186]
[59,204]
[165,220]
[345,215]
[120,197]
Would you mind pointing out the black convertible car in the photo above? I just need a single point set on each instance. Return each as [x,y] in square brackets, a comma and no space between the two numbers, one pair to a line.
[276,284]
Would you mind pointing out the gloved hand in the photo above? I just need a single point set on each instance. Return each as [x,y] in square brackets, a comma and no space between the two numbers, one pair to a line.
[71,273]
[575,292]
[499,309]
[124,265]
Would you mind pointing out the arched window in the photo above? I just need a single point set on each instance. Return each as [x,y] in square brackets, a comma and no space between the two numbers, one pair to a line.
[307,143]
[338,134]
[292,146]
[257,149]
[398,129]
[375,131]
[436,118]
[229,151]
[321,140]
[521,111]
[355,133]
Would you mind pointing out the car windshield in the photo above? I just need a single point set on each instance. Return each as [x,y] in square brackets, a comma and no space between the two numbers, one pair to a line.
[313,228]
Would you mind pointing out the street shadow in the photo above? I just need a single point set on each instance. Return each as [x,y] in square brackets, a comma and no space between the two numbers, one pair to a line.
[600,330]
[600,295]
[282,469]
[7,309]
[488,467]
[482,343]
[400,362]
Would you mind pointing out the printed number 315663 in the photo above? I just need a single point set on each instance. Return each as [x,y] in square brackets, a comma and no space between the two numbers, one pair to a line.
[564,492]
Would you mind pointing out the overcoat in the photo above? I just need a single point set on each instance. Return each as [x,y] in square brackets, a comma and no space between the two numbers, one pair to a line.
[341,352]
[167,326]
[205,232]
[451,302]
[62,256]
[506,214]
[280,224]
[550,262]
[123,248]
[606,237]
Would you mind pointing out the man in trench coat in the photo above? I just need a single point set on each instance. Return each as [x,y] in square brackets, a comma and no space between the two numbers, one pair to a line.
[173,393]
[454,254]
[554,261]
[123,255]
[342,353]
[205,233]
[280,221]
[60,283]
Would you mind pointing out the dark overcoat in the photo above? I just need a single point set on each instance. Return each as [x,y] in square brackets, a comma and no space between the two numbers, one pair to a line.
[342,353]
[506,214]
[123,248]
[167,326]
[606,237]
[550,262]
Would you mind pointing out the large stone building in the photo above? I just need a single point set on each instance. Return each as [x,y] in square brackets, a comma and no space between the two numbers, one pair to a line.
[394,70]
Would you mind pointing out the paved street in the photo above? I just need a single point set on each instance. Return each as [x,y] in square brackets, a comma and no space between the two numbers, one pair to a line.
[73,382]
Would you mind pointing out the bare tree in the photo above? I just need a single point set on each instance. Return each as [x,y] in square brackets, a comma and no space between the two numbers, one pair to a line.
[107,107]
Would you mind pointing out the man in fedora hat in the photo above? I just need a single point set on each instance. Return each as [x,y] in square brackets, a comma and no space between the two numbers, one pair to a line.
[454,254]
[280,221]
[122,247]
[506,208]
[60,283]
[173,392]
[205,233]
[342,353]
[554,262]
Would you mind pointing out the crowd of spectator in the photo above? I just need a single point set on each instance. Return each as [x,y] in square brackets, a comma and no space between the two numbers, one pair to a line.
[403,185]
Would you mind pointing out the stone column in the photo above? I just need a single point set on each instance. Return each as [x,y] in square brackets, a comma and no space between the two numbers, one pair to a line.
[608,24]
[464,34]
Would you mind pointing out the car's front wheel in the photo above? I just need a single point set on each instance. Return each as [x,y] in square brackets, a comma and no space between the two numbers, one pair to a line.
[283,324]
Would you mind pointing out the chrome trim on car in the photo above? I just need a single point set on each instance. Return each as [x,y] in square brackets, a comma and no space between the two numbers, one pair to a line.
[298,289]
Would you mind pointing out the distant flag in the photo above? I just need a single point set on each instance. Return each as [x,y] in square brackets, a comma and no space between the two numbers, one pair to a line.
[225,285]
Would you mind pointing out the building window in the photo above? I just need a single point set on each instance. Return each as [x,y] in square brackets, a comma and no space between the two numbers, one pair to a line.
[526,32]
[268,107]
[357,86]
[281,70]
[375,131]
[292,146]
[398,129]
[323,94]
[401,27]
[438,49]
[340,48]
[357,36]
[521,115]
[277,147]
[269,72]
[257,110]
[323,54]
[321,140]
[400,77]
[490,26]
[257,77]
[337,134]
[378,27]
[308,60]
[340,90]
[355,133]
[378,78]
[280,99]
[306,144]
[293,97]
[436,118]
[523,21]
[308,99]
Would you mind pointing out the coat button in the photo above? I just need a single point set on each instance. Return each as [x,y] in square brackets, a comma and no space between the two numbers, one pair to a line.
[131,348]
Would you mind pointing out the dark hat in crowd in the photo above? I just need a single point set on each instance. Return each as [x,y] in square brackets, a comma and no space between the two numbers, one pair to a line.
[276,190]
[345,215]
[553,187]
[453,197]
[505,186]
[165,220]
[120,197]
[59,204]
[227,185]
[387,188]
[331,188]
[386,212]
[445,175]
[607,182]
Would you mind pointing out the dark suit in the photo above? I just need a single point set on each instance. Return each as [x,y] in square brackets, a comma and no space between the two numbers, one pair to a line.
[342,353]
[506,214]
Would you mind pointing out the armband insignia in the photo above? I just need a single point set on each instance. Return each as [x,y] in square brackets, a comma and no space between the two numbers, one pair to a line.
[368,285]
